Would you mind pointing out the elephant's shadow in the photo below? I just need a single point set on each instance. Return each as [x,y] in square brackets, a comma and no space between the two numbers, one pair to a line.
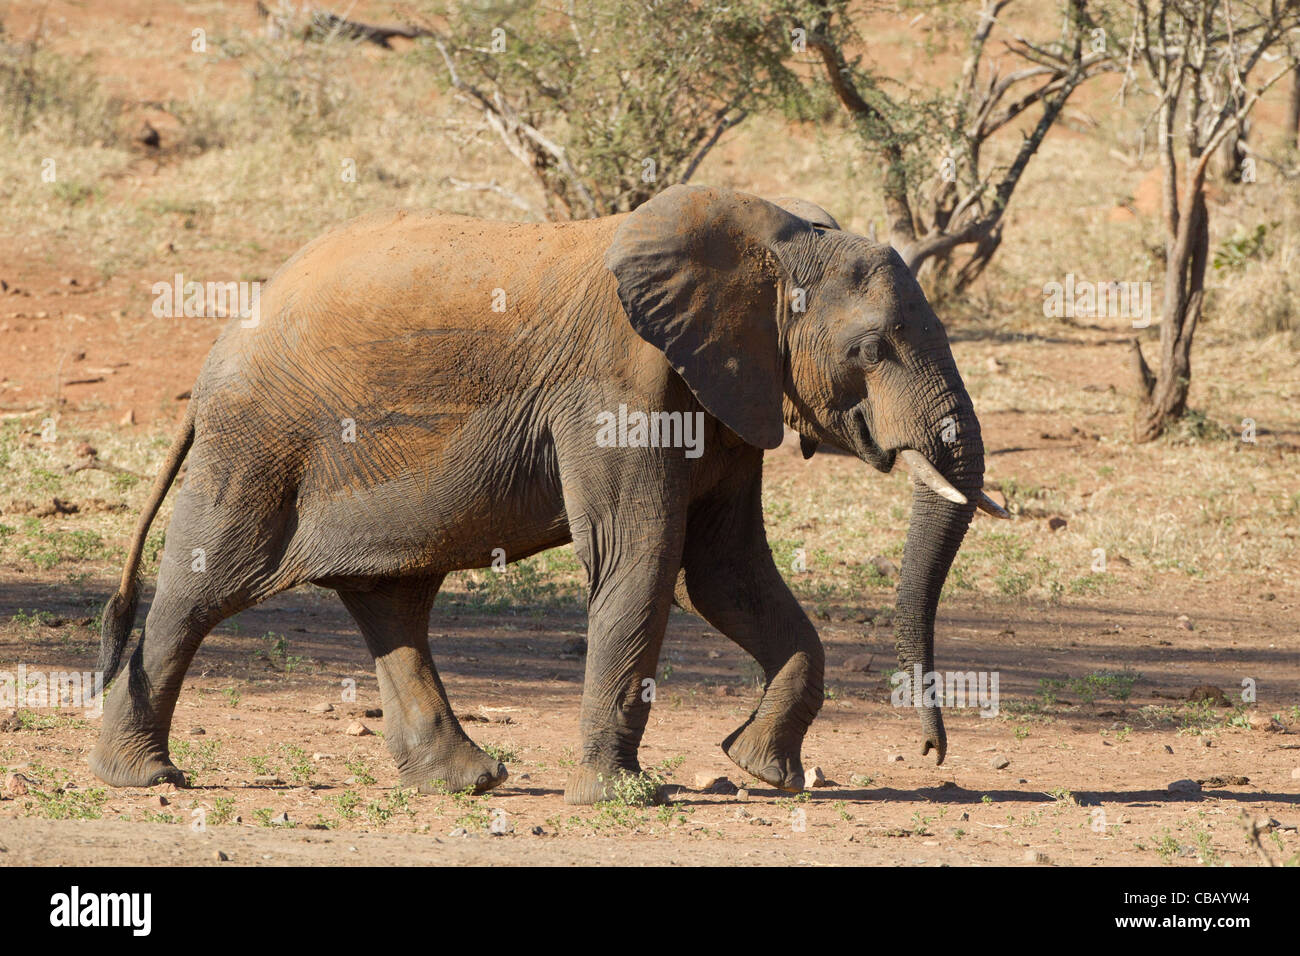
[1085,798]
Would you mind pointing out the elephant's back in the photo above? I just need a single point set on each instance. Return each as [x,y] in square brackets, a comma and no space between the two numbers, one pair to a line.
[395,285]
[408,328]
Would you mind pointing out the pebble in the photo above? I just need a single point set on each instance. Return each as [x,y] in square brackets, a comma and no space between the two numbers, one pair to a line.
[374,713]
[1184,786]
[1036,856]
[706,780]
[1000,762]
[859,663]
[358,729]
[884,567]
[537,831]
[1056,523]
[894,758]
[459,832]
[267,782]
[280,819]
[815,778]
[1185,623]
[157,802]
[322,708]
[742,794]
[16,785]
[219,856]
[197,732]
[1295,773]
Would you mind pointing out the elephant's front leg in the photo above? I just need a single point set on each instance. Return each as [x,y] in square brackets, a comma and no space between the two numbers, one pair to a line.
[632,572]
[728,578]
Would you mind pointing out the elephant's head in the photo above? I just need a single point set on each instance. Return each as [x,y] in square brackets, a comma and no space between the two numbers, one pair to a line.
[773,314]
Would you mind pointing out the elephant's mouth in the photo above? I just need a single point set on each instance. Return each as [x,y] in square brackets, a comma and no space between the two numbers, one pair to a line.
[865,445]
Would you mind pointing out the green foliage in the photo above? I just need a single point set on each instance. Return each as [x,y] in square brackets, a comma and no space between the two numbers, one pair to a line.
[360,771]
[1241,247]
[1117,685]
[275,651]
[223,811]
[609,102]
[52,798]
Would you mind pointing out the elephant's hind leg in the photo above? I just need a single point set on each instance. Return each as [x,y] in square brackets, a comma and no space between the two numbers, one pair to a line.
[213,566]
[132,747]
[432,752]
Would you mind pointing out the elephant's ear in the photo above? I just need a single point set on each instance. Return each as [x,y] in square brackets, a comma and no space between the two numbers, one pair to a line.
[810,211]
[698,271]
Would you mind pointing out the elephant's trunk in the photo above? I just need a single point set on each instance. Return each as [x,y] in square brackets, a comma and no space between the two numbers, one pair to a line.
[933,537]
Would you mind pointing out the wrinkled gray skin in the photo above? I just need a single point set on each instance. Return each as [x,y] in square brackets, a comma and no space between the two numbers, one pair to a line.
[476,429]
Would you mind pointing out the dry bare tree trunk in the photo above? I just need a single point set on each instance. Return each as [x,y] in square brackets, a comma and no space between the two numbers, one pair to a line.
[1165,395]
[1293,110]
[1198,57]
[928,219]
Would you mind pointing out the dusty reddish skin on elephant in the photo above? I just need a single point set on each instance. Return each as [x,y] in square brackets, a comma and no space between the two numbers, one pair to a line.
[475,430]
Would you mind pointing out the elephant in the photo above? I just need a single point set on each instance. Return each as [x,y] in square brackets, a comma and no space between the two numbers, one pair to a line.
[422,392]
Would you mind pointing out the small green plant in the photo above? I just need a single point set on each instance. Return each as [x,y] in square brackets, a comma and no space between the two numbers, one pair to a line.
[1241,247]
[57,801]
[502,753]
[261,766]
[1117,685]
[360,771]
[1168,847]
[380,811]
[347,803]
[1204,848]
[195,758]
[300,765]
[31,621]
[275,651]
[223,811]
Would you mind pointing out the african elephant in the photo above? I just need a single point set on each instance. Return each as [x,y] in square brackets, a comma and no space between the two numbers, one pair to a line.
[422,390]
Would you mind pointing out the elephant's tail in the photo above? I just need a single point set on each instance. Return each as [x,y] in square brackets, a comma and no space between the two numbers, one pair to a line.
[118,616]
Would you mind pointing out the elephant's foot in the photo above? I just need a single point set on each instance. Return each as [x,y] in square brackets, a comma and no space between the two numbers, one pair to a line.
[117,768]
[466,768]
[752,749]
[595,784]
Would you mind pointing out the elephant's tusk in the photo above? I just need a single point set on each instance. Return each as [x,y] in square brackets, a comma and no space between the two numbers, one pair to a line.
[919,467]
[989,506]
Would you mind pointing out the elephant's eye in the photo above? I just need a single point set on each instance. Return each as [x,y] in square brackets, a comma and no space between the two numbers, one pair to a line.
[865,351]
